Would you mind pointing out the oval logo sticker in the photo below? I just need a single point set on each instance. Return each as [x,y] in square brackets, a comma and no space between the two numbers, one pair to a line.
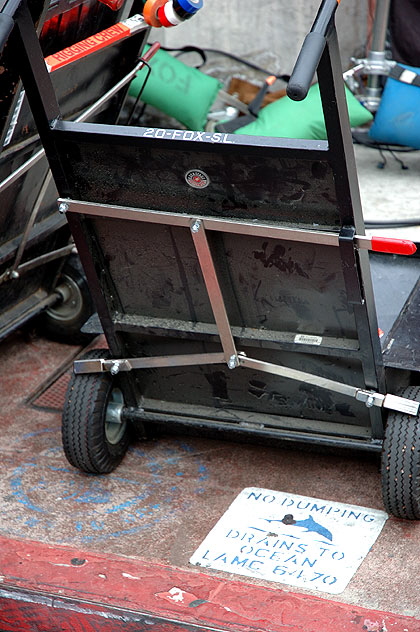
[197,179]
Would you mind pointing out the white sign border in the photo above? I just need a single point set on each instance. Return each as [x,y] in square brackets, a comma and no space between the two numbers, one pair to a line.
[308,542]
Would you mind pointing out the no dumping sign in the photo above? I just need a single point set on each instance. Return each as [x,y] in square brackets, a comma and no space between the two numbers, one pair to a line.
[290,539]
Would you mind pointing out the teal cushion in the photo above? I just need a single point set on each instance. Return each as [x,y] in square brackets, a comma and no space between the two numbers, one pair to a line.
[301,119]
[397,120]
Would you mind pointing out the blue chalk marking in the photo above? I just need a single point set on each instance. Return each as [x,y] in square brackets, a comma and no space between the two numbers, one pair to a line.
[202,470]
[124,480]
[97,526]
[130,518]
[137,452]
[36,433]
[170,450]
[186,447]
[94,495]
[59,469]
[128,503]
[24,500]
[19,494]
[120,533]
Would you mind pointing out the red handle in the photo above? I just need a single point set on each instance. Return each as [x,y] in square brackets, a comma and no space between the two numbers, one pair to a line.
[394,246]
[151,51]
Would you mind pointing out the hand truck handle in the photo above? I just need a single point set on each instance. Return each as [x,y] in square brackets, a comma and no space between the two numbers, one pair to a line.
[311,52]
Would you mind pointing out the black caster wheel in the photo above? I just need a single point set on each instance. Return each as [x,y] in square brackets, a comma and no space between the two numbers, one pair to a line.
[95,436]
[401,462]
[63,320]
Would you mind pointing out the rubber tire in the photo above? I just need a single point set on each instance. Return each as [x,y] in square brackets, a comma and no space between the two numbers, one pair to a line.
[83,422]
[63,327]
[400,467]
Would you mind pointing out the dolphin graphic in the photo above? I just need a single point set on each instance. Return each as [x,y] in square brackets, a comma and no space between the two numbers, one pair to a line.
[309,524]
[312,526]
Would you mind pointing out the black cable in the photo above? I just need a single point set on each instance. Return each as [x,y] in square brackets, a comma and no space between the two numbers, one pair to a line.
[400,162]
[415,221]
[140,92]
[187,49]
[246,63]
[360,139]
[382,165]
[202,52]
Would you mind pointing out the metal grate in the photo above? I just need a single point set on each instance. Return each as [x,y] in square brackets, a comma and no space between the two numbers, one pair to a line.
[52,398]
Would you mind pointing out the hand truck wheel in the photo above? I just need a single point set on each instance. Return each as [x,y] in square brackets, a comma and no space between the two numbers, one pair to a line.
[401,462]
[95,437]
[63,320]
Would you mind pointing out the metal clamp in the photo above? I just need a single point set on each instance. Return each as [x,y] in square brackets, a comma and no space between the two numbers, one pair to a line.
[370,398]
[101,365]
[392,402]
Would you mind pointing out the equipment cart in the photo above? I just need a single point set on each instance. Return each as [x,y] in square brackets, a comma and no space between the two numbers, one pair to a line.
[233,281]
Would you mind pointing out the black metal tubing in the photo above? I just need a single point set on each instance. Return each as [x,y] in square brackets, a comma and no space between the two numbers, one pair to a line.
[311,52]
[176,423]
[131,135]
[36,79]
[355,264]
[104,296]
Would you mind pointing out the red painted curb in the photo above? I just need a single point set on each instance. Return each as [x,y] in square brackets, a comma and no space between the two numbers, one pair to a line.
[56,579]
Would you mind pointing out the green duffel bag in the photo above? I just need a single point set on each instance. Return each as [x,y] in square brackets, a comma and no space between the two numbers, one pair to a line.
[178,90]
[301,119]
